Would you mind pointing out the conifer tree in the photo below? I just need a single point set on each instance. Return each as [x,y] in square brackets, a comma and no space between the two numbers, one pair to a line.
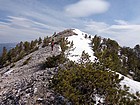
[20,46]
[40,40]
[137,50]
[26,46]
[4,55]
[85,35]
[32,45]
[4,52]
[89,37]
[9,56]
[96,41]
[46,41]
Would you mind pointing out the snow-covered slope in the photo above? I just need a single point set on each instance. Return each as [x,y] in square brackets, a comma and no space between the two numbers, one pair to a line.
[80,44]
[134,85]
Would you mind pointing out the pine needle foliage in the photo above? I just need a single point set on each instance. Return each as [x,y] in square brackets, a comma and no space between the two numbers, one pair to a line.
[81,83]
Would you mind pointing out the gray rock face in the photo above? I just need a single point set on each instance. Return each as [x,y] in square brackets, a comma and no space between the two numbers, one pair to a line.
[28,84]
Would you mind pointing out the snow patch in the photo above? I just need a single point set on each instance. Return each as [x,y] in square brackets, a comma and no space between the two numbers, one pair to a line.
[134,85]
[80,44]
[98,99]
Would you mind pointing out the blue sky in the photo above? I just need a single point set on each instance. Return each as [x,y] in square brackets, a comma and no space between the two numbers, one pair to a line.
[22,20]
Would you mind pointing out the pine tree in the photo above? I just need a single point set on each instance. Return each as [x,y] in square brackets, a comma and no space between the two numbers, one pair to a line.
[82,83]
[40,40]
[20,46]
[137,50]
[63,44]
[45,42]
[9,56]
[84,58]
[85,35]
[26,46]
[4,52]
[4,56]
[96,42]
[32,45]
[89,37]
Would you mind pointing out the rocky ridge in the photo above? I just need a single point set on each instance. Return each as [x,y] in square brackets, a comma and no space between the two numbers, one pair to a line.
[26,83]
[29,84]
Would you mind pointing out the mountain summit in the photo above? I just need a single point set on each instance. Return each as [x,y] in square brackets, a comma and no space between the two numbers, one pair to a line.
[81,69]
